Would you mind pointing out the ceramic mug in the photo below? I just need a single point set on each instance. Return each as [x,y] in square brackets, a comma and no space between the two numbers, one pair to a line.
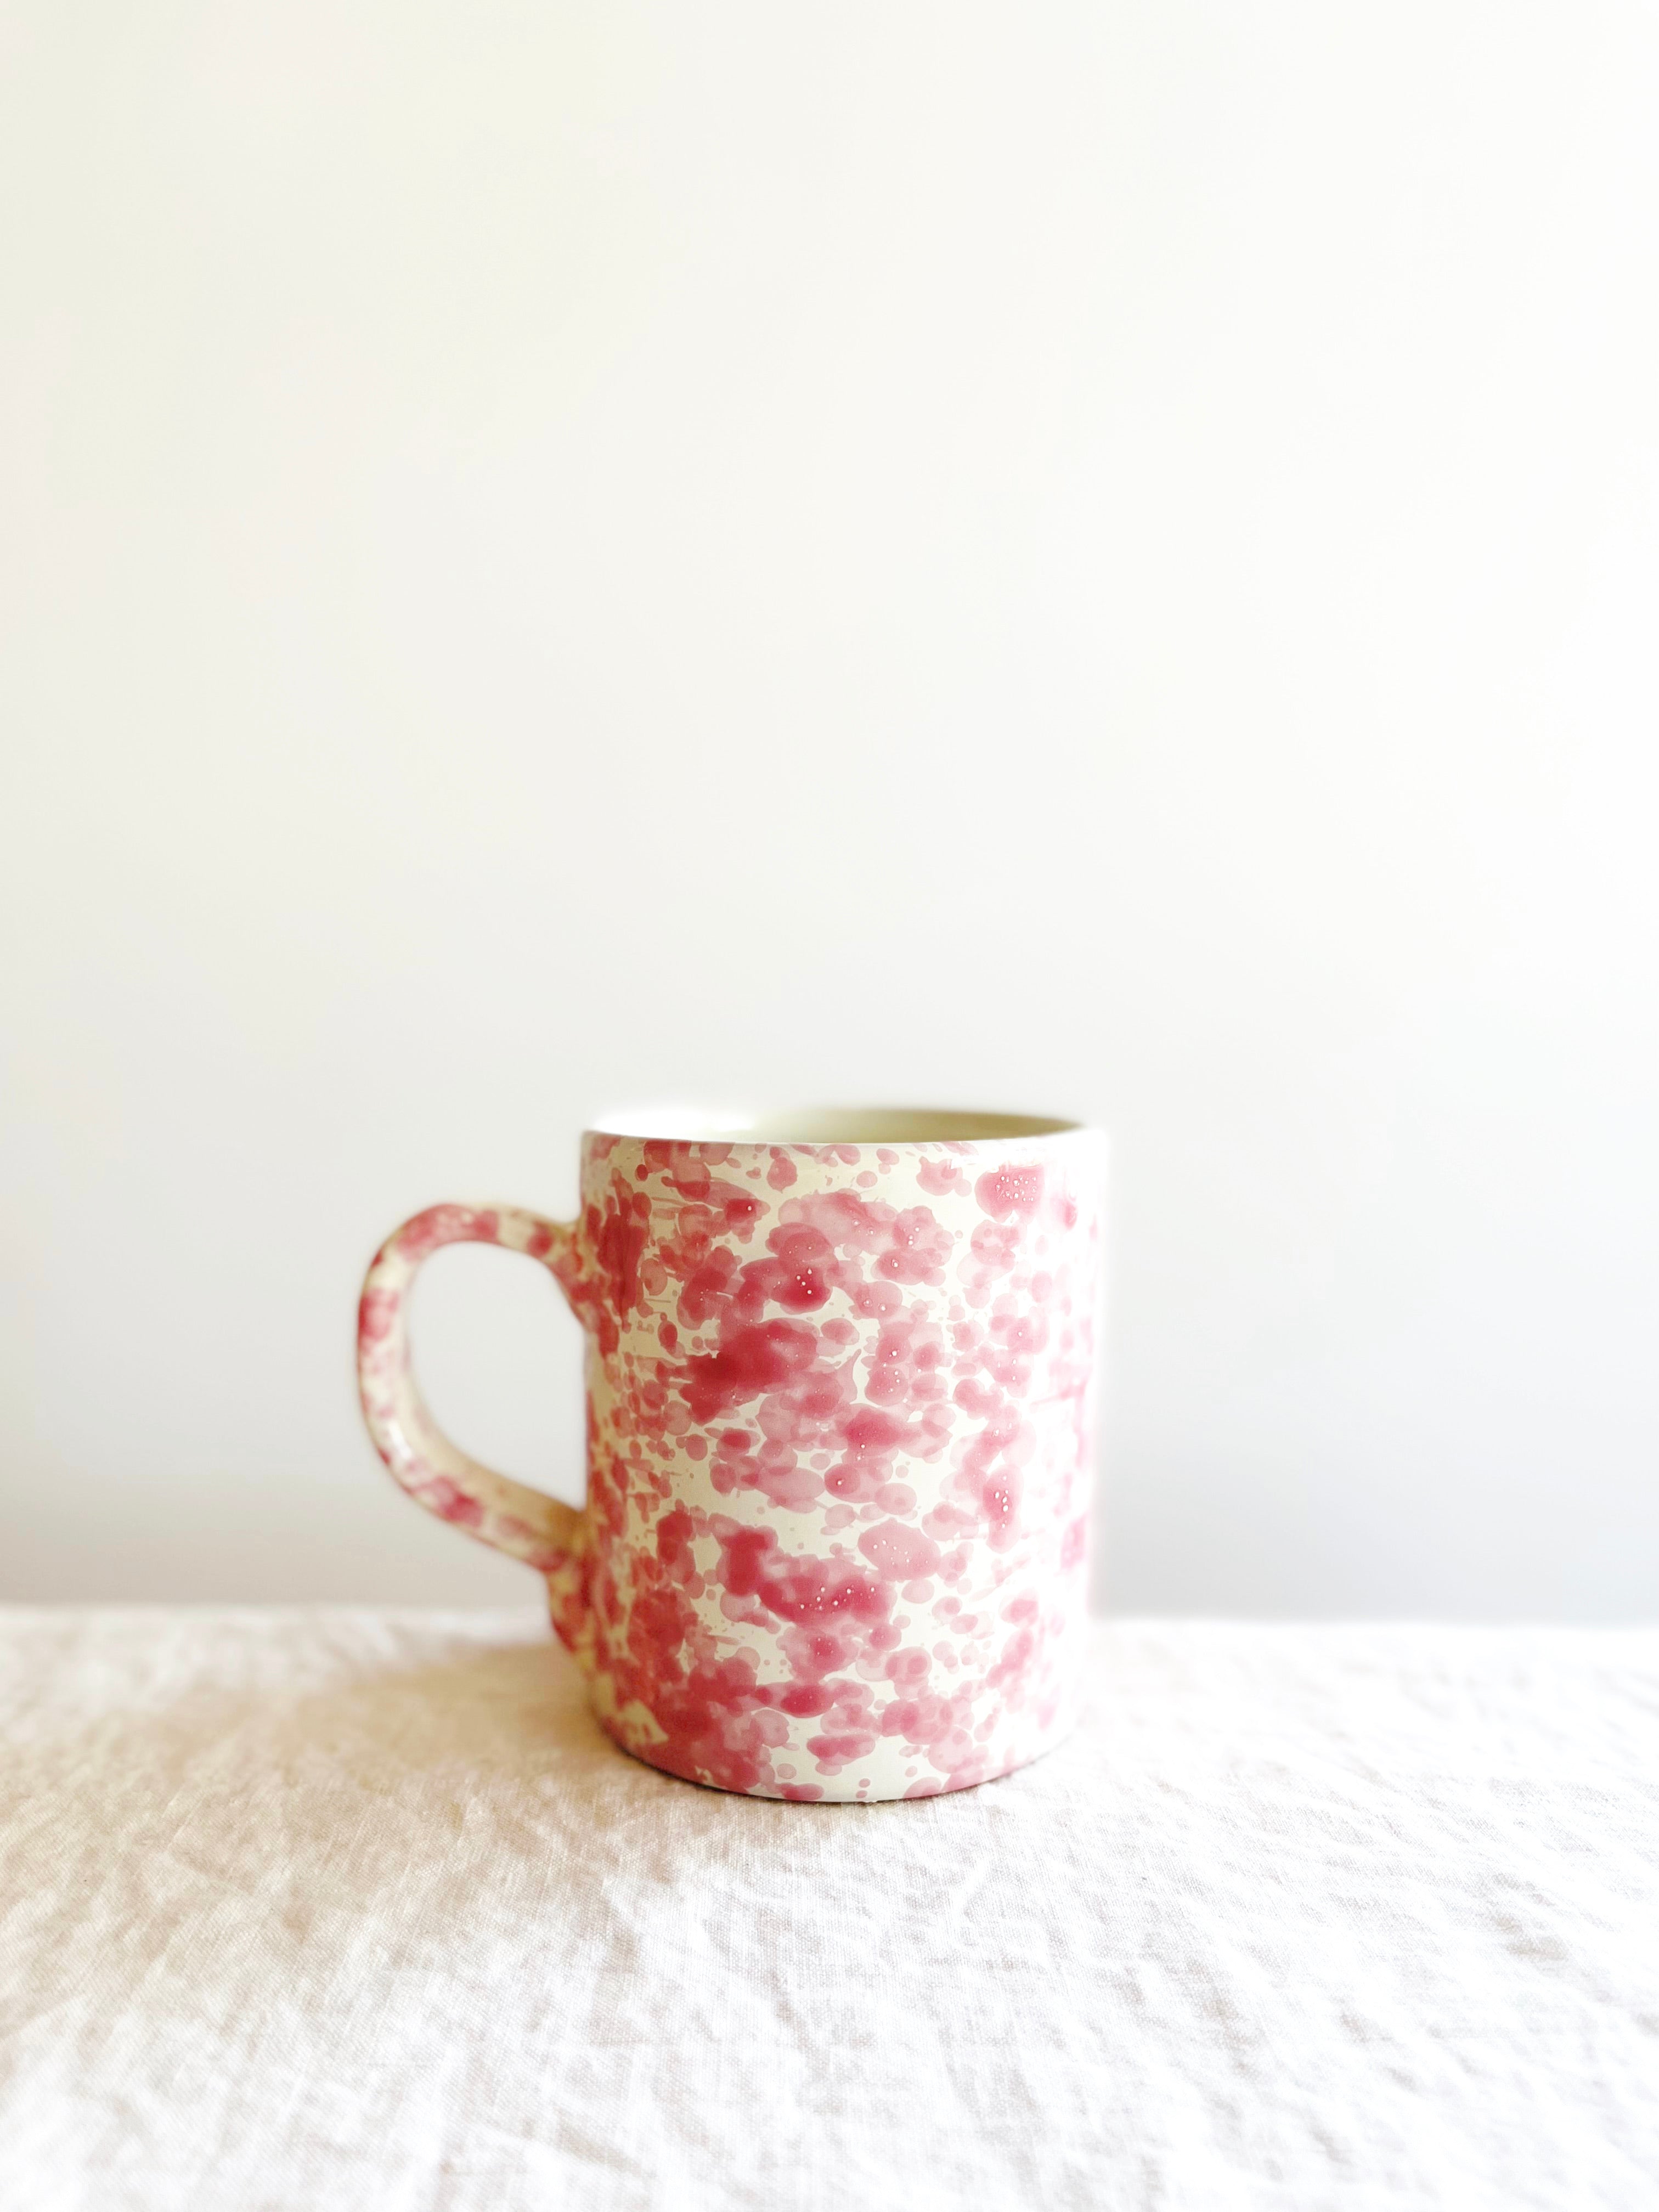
[840,1384]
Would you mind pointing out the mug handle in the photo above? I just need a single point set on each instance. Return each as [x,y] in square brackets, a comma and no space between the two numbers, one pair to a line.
[523,1523]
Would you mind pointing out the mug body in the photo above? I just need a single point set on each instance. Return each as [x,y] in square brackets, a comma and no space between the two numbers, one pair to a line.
[839,1397]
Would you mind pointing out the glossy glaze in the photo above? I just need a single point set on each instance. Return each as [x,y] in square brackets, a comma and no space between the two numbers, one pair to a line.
[834,1544]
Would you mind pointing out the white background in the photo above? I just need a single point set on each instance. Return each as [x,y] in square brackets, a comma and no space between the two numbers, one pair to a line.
[1098,559]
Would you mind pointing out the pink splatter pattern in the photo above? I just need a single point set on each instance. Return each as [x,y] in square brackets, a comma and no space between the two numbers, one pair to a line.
[840,1456]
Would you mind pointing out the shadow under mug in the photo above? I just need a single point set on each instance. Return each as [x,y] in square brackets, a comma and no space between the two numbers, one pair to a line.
[841,1371]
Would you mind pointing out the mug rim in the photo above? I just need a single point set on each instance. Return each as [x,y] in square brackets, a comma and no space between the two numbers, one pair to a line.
[897,1127]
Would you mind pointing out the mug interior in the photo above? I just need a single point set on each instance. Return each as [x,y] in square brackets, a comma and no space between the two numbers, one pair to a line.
[832,1125]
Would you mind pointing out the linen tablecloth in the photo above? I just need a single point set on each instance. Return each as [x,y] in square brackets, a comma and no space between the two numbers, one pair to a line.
[333,1910]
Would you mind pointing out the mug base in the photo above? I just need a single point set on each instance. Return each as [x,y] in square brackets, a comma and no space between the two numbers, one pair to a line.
[857,1784]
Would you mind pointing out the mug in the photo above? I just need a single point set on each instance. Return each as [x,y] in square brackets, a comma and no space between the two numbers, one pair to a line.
[840,1372]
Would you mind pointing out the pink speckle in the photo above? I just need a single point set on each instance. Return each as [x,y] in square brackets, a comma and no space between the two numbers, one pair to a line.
[450,1503]
[899,1552]
[1010,1191]
[376,1313]
[751,1360]
[939,1178]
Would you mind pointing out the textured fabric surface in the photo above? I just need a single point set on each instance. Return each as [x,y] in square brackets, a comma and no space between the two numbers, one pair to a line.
[328,1911]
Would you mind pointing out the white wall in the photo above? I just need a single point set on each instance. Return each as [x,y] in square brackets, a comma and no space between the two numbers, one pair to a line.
[1096,558]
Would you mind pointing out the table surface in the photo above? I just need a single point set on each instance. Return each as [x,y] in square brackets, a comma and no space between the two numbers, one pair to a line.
[318,1909]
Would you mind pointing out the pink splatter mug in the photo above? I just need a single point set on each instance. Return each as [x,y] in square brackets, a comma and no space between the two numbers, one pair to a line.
[840,1384]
